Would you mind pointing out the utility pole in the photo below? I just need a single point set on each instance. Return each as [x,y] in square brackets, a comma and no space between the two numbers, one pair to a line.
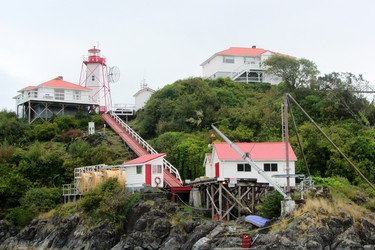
[286,143]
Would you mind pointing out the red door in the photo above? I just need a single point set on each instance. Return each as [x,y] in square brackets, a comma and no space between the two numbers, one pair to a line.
[148,174]
[217,170]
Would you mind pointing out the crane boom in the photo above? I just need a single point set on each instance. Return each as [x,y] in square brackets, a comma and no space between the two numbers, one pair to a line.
[252,163]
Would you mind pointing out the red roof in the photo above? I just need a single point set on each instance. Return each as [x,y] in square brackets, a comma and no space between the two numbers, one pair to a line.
[58,82]
[258,151]
[238,51]
[143,159]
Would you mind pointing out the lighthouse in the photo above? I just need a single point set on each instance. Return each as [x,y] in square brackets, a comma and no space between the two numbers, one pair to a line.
[96,76]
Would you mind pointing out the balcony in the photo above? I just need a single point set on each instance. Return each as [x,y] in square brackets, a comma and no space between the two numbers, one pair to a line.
[63,96]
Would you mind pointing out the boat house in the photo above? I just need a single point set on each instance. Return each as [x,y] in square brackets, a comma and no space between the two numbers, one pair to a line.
[225,163]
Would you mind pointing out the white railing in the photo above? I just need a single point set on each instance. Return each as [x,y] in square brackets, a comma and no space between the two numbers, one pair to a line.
[69,190]
[123,109]
[82,97]
[249,79]
[145,145]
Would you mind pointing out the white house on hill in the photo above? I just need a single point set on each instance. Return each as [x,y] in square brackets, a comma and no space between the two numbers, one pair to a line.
[225,163]
[54,97]
[240,64]
[146,169]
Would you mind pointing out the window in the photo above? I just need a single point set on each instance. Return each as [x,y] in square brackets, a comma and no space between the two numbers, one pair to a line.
[228,59]
[59,94]
[156,169]
[139,169]
[242,167]
[270,167]
[249,60]
[77,95]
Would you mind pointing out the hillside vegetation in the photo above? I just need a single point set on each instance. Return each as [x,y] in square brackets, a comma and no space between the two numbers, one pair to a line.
[36,159]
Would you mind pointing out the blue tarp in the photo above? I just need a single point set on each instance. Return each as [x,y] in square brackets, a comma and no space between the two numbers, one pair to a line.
[257,220]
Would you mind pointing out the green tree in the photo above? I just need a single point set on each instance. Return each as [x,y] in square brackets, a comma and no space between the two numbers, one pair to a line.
[271,205]
[12,129]
[45,131]
[295,73]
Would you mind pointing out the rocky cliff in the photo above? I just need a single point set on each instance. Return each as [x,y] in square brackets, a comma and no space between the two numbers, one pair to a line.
[160,224]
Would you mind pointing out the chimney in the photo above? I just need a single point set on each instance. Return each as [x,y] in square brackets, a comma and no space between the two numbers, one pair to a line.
[254,46]
[60,77]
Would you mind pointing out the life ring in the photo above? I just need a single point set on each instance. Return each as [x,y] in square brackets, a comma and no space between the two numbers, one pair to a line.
[157,180]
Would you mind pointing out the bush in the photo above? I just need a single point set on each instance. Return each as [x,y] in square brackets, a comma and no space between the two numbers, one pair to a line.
[271,206]
[66,122]
[45,131]
[108,202]
[37,200]
[71,134]
[19,217]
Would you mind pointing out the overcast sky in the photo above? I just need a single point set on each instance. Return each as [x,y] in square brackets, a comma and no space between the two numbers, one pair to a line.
[162,41]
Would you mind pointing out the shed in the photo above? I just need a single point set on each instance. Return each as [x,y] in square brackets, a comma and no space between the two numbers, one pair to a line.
[145,170]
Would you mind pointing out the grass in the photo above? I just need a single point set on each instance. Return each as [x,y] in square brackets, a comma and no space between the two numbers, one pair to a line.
[325,209]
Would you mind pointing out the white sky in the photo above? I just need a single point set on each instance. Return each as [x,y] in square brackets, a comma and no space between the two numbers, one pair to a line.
[162,41]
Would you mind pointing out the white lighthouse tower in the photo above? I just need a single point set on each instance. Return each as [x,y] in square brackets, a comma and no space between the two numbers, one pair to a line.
[96,76]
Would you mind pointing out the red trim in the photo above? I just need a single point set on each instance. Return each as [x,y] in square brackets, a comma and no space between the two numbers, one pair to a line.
[148,174]
[217,170]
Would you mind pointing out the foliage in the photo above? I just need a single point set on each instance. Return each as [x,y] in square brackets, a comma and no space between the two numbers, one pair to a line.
[177,121]
[45,131]
[186,151]
[19,217]
[34,201]
[108,202]
[341,188]
[295,73]
[12,130]
[38,200]
[271,205]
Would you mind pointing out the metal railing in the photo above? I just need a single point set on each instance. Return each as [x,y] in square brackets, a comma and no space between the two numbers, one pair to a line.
[145,145]
[82,97]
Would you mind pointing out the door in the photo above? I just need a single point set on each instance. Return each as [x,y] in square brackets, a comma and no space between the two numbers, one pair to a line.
[217,170]
[148,174]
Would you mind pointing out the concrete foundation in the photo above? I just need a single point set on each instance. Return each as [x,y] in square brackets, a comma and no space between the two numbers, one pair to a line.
[287,207]
[195,197]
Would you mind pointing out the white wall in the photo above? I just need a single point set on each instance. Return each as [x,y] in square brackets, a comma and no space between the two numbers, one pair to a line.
[134,180]
[142,98]
[216,65]
[97,92]
[228,169]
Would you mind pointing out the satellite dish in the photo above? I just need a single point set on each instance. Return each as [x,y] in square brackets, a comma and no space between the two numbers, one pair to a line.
[114,74]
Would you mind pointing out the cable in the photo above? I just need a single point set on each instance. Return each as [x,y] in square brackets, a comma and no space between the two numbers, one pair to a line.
[332,143]
[298,138]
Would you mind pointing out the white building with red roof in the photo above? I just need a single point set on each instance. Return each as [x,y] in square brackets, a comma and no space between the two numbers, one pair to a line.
[240,64]
[145,170]
[53,98]
[142,96]
[225,163]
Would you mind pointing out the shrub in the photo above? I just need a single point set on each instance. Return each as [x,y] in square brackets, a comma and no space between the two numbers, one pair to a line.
[66,122]
[271,206]
[38,200]
[71,134]
[45,131]
[108,202]
[19,217]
